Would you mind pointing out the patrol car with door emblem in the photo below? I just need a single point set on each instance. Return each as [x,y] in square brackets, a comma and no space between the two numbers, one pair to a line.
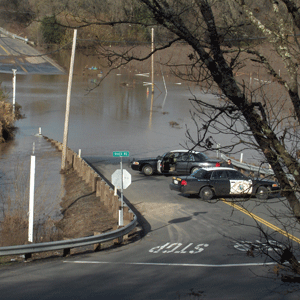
[223,181]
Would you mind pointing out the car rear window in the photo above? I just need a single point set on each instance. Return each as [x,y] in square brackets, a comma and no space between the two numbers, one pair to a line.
[202,174]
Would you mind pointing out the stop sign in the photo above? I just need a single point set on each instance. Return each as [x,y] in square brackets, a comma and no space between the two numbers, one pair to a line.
[116,179]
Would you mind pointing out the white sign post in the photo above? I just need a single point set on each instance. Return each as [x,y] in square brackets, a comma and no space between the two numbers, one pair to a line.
[31,197]
[121,179]
[14,90]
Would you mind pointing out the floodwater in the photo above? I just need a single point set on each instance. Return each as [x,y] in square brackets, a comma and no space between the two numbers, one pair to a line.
[117,115]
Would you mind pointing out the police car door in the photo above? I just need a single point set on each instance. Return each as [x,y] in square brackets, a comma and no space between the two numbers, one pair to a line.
[239,184]
[181,163]
[159,163]
[220,182]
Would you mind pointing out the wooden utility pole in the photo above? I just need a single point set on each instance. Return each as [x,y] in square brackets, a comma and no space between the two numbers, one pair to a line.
[65,140]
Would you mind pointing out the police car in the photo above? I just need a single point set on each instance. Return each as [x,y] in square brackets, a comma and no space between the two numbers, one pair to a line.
[223,181]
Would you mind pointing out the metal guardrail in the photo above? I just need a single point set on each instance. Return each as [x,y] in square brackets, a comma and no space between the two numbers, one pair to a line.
[101,238]
[252,168]
[68,244]
[14,36]
[248,167]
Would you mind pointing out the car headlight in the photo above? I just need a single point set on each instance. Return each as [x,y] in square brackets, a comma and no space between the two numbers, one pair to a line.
[135,163]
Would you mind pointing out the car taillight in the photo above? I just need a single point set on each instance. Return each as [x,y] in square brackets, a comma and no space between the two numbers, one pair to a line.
[183,182]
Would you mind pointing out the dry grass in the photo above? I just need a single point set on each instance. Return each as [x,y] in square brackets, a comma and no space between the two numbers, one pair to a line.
[82,213]
[14,200]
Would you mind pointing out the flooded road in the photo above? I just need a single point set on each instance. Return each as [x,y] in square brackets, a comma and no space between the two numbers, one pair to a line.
[118,115]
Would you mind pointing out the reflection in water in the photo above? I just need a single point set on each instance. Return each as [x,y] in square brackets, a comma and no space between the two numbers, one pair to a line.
[151,110]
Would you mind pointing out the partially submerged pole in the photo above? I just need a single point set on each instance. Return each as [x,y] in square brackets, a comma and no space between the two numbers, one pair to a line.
[14,90]
[152,59]
[65,140]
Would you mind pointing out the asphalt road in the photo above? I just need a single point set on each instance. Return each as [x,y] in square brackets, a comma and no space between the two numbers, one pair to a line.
[191,250]
[16,54]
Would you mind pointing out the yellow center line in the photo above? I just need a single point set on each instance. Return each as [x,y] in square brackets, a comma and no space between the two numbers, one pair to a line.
[8,53]
[257,218]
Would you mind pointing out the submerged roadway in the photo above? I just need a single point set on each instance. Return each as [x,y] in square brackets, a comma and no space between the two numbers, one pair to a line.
[16,54]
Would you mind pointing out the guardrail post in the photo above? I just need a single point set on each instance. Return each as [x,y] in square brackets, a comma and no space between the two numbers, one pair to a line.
[241,157]
[116,204]
[27,256]
[70,157]
[98,187]
[94,181]
[105,195]
[102,191]
[82,170]
[111,199]
[97,247]
[66,252]
[78,165]
[87,173]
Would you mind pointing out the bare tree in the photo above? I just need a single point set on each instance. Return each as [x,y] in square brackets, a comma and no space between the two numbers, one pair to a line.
[219,34]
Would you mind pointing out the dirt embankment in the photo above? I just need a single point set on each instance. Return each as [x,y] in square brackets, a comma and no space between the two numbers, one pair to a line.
[83,212]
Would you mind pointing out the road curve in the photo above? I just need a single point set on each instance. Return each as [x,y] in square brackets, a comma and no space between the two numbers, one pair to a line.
[191,250]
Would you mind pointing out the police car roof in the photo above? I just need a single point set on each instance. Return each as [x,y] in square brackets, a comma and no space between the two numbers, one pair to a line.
[217,168]
[184,151]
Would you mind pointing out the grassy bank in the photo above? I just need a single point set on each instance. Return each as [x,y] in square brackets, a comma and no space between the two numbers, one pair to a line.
[8,116]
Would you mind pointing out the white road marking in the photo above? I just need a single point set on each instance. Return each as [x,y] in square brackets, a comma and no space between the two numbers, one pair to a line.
[171,264]
[245,246]
[197,249]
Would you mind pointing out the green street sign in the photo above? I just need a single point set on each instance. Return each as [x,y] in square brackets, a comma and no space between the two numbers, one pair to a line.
[120,153]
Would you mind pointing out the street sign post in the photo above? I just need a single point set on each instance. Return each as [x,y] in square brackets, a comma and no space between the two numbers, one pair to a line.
[122,181]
